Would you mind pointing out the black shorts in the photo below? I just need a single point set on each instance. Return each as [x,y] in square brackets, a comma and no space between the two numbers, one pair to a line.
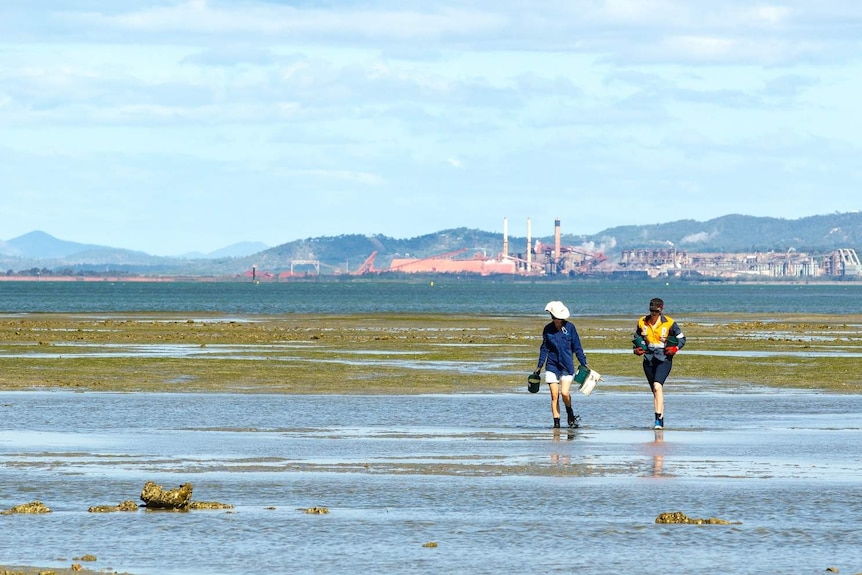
[656,370]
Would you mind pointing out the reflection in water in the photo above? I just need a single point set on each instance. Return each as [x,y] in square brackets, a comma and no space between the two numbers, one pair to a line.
[657,449]
[569,434]
[562,458]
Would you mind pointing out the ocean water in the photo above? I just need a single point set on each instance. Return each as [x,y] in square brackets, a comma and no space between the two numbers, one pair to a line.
[428,296]
[481,476]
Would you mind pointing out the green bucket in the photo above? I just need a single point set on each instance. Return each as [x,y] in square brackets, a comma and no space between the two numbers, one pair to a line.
[581,374]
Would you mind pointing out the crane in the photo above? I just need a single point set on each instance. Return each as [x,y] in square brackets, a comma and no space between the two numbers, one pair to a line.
[367,266]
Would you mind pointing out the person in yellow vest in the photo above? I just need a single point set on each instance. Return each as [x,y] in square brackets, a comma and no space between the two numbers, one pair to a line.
[657,339]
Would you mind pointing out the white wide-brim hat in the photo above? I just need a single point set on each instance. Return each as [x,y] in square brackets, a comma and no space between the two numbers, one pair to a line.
[557,309]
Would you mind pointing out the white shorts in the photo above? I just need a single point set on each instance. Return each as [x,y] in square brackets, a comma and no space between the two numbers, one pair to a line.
[551,377]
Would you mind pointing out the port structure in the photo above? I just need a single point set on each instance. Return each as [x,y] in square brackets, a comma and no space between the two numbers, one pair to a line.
[367,266]
[555,259]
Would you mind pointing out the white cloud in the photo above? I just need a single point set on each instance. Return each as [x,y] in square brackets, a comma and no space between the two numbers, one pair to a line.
[583,104]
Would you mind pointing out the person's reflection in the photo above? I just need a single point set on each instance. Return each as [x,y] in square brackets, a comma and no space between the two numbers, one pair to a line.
[569,434]
[657,453]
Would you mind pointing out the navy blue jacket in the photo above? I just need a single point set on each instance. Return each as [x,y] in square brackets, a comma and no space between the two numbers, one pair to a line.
[559,348]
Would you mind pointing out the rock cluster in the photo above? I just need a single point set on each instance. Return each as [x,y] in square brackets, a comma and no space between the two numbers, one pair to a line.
[153,496]
[127,505]
[680,517]
[178,499]
[32,507]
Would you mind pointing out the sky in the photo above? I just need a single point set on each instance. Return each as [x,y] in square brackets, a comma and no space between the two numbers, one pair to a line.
[178,126]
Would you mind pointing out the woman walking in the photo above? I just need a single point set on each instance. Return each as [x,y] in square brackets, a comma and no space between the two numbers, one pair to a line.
[560,345]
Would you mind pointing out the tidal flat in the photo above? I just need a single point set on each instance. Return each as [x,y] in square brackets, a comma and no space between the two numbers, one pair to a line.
[404,353]
[417,433]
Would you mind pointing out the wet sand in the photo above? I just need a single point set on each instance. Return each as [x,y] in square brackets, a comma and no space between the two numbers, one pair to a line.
[467,471]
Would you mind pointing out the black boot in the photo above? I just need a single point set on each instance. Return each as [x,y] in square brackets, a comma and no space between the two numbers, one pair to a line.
[573,419]
[556,422]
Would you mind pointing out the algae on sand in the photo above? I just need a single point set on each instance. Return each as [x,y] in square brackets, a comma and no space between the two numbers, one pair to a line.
[403,353]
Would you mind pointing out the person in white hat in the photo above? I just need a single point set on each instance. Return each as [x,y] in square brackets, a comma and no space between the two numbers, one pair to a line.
[560,345]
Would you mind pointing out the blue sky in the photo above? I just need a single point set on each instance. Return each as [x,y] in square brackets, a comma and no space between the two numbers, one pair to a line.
[172,126]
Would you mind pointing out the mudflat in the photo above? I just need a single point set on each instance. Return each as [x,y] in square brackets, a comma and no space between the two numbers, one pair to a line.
[402,353]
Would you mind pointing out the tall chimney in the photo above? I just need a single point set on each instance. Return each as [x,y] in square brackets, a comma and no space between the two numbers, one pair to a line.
[505,238]
[529,247]
[556,243]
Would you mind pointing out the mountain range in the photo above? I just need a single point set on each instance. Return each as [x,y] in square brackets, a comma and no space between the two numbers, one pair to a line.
[40,251]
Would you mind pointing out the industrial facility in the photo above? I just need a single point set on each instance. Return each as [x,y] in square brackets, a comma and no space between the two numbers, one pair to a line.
[790,264]
[538,259]
[535,259]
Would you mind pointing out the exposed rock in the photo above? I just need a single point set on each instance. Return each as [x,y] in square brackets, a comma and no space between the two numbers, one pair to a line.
[32,507]
[155,497]
[127,505]
[209,505]
[680,517]
[315,510]
[179,499]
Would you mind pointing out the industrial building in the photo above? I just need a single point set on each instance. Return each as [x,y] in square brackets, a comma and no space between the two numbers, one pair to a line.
[536,258]
[790,264]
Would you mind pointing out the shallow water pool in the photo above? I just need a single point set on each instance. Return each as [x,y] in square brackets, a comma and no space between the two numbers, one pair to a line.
[482,476]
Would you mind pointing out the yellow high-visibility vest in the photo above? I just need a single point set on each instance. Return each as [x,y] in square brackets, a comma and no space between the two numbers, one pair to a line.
[655,336]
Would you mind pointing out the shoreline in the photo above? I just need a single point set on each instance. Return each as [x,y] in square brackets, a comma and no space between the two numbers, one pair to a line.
[422,278]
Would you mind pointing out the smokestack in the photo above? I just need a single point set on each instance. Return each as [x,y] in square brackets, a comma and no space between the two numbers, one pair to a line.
[556,241]
[529,246]
[505,238]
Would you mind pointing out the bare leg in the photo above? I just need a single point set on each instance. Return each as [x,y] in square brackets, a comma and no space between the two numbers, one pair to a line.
[567,396]
[658,397]
[555,399]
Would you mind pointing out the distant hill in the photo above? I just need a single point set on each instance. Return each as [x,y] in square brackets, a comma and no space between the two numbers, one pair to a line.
[346,253]
[41,251]
[738,233]
[39,245]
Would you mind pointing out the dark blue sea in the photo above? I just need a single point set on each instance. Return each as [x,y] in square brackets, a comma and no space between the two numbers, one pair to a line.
[437,296]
